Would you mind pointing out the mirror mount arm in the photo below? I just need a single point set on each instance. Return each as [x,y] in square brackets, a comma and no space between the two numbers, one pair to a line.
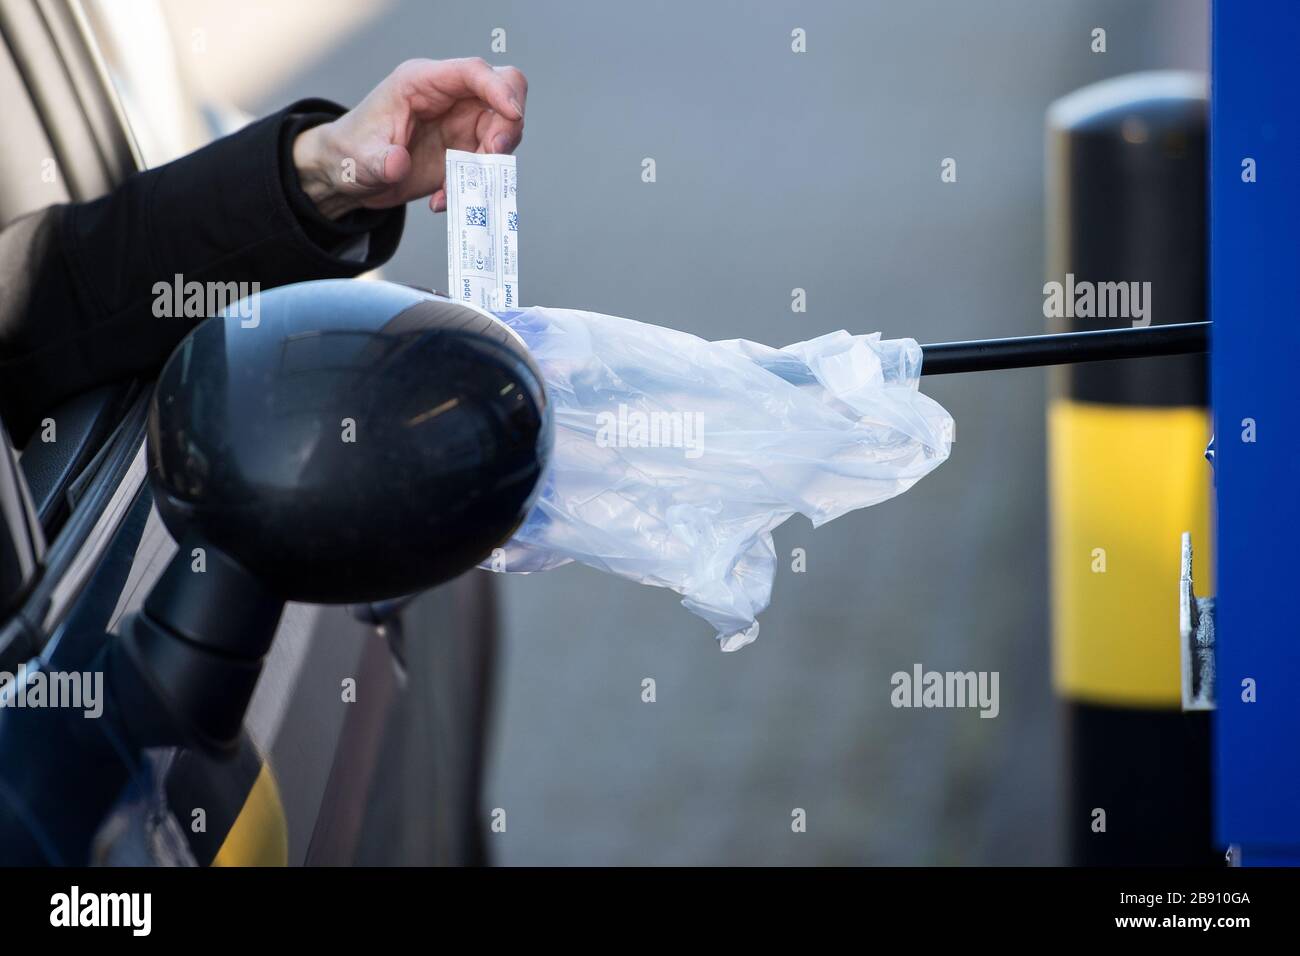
[195,651]
[181,673]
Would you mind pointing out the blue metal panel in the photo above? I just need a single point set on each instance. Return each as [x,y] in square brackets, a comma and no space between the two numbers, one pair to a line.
[1255,374]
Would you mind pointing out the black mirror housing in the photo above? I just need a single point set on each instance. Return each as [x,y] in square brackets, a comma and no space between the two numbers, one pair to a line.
[348,441]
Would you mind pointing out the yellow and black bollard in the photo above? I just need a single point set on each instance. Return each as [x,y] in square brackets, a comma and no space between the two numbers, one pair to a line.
[1127,473]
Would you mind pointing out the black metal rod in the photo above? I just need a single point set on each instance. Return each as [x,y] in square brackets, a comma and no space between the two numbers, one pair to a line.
[1065,348]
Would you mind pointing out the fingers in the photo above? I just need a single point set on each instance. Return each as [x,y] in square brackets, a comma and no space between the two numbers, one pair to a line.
[444,81]
[500,134]
[518,83]
[438,201]
[496,134]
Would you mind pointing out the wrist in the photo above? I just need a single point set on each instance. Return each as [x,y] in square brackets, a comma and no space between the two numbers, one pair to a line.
[319,166]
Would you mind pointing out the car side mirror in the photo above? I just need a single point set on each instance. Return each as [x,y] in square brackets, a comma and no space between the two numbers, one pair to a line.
[338,441]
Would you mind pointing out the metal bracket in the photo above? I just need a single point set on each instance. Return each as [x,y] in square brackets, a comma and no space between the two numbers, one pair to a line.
[1195,638]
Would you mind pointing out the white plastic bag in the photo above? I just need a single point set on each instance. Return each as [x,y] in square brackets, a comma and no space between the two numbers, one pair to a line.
[675,458]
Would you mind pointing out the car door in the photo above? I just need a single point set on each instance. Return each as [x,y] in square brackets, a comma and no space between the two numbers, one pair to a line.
[392,775]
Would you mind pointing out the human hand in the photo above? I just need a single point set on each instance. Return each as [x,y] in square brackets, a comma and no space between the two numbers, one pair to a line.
[391,148]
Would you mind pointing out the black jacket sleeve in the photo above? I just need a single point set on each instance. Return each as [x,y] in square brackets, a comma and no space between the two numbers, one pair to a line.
[76,280]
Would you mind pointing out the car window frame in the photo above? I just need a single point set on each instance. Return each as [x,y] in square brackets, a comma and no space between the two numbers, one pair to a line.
[54,48]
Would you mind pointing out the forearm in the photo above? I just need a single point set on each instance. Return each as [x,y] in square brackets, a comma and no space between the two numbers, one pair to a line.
[77,300]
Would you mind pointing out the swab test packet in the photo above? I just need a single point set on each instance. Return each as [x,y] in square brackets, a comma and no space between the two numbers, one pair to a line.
[482,230]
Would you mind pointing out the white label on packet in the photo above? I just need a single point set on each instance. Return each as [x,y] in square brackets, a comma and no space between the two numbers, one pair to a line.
[482,230]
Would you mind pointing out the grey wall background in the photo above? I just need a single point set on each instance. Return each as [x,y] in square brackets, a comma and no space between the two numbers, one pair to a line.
[778,170]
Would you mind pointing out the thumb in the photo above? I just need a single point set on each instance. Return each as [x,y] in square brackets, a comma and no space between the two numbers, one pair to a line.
[393,164]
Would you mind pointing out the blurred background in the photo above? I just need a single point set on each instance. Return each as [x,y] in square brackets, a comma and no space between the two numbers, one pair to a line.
[775,171]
